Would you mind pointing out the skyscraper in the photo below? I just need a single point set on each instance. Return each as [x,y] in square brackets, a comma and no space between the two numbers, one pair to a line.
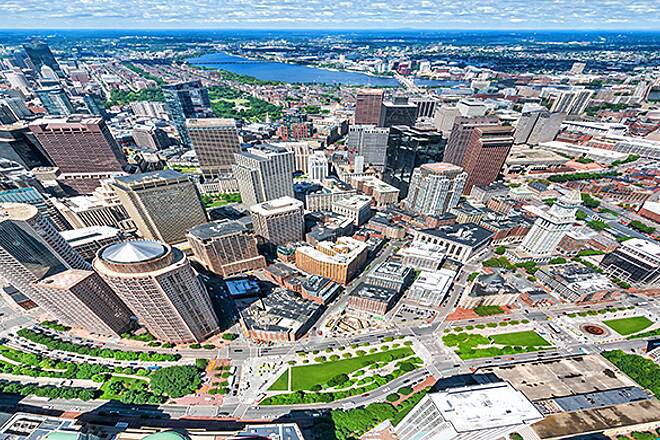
[37,261]
[19,144]
[537,126]
[398,112]
[369,142]
[367,106]
[160,287]
[407,149]
[79,144]
[435,188]
[318,166]
[163,204]
[488,149]
[55,101]
[279,221]
[572,102]
[548,230]
[186,100]
[40,55]
[460,135]
[225,247]
[264,172]
[215,142]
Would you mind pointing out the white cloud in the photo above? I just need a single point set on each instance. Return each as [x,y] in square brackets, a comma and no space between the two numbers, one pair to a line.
[331,13]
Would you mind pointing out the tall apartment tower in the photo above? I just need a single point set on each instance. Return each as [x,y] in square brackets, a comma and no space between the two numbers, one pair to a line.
[55,101]
[398,112]
[186,100]
[215,142]
[163,204]
[160,287]
[225,247]
[367,106]
[572,102]
[460,136]
[37,261]
[264,173]
[537,126]
[40,55]
[488,149]
[435,188]
[318,166]
[279,221]
[548,230]
[79,144]
[369,142]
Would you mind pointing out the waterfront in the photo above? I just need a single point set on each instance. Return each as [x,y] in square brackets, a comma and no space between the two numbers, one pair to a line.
[298,73]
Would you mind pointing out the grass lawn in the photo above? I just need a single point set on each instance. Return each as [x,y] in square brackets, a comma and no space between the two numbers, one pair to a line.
[628,326]
[128,383]
[474,346]
[282,382]
[488,310]
[526,339]
[306,376]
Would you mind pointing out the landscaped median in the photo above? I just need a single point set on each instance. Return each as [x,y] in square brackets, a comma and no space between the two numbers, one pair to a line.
[475,345]
[56,343]
[125,384]
[327,381]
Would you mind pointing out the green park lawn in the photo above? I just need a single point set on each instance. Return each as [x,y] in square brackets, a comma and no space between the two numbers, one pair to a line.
[525,338]
[110,392]
[628,326]
[474,346]
[282,382]
[305,377]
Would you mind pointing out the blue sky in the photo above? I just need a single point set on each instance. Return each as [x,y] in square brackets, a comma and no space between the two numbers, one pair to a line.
[328,14]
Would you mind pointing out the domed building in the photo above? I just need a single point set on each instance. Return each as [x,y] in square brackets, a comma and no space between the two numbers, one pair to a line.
[160,287]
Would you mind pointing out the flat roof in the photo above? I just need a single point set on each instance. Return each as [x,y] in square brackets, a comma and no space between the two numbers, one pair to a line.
[469,234]
[78,237]
[277,206]
[377,293]
[488,406]
[217,228]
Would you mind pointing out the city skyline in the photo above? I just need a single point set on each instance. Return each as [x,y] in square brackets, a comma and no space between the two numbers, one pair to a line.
[334,14]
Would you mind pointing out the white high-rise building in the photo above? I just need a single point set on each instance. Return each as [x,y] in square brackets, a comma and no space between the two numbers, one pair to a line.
[279,221]
[548,230]
[479,412]
[18,81]
[435,188]
[318,166]
[370,142]
[572,102]
[264,173]
[537,126]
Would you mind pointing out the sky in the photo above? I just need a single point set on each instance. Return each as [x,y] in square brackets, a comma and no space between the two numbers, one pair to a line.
[331,14]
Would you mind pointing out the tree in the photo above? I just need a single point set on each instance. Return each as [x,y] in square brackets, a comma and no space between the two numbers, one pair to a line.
[581,215]
[201,364]
[589,202]
[500,250]
[229,336]
[176,381]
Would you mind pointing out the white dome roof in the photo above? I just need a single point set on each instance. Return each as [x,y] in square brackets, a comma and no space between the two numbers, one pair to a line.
[134,251]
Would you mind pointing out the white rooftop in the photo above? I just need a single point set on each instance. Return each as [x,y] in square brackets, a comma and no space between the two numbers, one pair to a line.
[78,237]
[133,251]
[439,280]
[487,406]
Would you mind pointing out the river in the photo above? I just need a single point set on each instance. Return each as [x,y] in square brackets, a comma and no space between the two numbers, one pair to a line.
[298,73]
